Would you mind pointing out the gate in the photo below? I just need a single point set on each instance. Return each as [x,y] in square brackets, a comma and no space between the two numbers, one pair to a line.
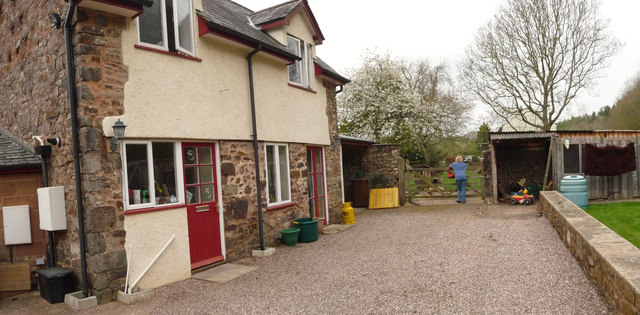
[432,182]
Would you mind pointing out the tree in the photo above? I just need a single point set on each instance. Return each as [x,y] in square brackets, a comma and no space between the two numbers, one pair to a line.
[412,104]
[482,137]
[532,60]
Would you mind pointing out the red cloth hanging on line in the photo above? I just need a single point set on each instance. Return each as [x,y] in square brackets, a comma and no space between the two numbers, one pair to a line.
[609,160]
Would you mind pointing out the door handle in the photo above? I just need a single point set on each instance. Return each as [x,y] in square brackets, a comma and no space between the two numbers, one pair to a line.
[204,208]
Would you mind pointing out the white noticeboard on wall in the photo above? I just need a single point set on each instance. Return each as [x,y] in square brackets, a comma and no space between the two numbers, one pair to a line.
[17,226]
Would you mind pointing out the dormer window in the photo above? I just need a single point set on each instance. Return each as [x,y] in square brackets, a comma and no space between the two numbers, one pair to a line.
[300,71]
[167,25]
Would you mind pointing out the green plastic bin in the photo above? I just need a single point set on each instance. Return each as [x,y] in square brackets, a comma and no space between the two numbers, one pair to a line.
[308,229]
[290,236]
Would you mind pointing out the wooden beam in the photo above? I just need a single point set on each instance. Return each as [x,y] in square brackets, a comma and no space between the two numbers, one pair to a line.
[494,174]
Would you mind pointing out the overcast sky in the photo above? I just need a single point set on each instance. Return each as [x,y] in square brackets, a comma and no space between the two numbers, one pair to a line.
[440,31]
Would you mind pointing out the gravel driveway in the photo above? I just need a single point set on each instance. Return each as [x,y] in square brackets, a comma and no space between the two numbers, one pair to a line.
[446,259]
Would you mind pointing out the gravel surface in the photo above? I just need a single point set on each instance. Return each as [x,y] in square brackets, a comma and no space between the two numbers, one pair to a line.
[432,259]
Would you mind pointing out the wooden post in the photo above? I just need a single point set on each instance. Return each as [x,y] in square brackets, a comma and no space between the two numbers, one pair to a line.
[494,174]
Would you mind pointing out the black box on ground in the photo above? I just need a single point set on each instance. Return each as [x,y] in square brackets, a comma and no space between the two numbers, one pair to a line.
[54,283]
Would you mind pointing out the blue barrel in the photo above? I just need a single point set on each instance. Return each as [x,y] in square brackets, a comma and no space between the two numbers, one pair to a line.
[574,188]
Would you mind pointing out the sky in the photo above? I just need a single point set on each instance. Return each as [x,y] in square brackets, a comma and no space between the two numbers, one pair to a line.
[440,31]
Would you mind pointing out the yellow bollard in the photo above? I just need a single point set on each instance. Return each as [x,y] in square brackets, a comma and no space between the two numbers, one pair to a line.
[347,214]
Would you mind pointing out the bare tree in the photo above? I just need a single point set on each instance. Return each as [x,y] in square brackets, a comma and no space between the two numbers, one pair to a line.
[532,60]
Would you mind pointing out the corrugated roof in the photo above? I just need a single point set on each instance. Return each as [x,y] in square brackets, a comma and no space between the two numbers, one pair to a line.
[520,135]
[15,156]
[354,139]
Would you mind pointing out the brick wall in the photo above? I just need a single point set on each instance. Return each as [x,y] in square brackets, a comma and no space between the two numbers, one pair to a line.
[610,262]
[16,190]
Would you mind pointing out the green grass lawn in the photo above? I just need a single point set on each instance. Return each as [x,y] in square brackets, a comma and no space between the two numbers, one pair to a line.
[622,217]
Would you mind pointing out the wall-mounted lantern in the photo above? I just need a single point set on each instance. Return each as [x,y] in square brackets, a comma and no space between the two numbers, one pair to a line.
[118,133]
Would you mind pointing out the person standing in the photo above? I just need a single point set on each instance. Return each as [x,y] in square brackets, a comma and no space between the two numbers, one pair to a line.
[460,169]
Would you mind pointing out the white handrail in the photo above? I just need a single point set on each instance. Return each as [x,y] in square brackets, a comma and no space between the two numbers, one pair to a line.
[151,263]
[126,281]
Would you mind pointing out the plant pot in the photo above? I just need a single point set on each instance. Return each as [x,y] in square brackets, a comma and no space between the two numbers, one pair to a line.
[290,236]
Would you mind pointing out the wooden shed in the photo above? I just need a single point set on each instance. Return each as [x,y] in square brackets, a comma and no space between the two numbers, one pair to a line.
[541,157]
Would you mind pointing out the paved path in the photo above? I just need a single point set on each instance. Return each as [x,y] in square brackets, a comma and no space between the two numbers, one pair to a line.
[444,259]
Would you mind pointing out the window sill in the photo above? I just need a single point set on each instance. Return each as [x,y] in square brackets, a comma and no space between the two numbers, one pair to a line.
[282,206]
[154,209]
[302,88]
[181,55]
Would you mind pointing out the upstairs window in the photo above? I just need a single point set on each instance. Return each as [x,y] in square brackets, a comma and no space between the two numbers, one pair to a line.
[300,71]
[167,25]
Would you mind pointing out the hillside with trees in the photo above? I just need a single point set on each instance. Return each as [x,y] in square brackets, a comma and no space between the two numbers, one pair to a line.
[624,115]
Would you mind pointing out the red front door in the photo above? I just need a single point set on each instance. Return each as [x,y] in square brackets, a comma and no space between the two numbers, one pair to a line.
[315,180]
[203,217]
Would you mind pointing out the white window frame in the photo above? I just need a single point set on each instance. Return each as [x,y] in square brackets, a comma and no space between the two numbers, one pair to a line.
[277,180]
[165,40]
[176,31]
[177,153]
[305,64]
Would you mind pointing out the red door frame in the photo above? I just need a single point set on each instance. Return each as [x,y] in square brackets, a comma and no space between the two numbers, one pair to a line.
[317,153]
[205,240]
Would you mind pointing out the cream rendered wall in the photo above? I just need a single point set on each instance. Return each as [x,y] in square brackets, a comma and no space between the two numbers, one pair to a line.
[175,98]
[148,233]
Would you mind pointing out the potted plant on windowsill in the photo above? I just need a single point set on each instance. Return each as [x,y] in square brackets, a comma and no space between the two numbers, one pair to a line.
[382,194]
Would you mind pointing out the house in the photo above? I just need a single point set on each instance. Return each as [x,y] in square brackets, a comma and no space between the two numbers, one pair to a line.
[517,123]
[544,157]
[205,89]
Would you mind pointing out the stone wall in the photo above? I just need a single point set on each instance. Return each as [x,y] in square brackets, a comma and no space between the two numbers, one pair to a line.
[333,159]
[238,184]
[383,159]
[610,262]
[34,94]
[100,79]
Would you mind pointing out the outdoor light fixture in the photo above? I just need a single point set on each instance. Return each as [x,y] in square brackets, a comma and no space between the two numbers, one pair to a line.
[118,133]
[56,20]
[566,143]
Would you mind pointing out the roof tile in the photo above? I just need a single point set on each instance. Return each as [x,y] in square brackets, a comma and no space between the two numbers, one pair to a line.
[14,155]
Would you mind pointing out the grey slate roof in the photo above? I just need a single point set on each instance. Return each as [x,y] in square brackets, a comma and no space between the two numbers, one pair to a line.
[14,155]
[274,13]
[231,18]
[326,69]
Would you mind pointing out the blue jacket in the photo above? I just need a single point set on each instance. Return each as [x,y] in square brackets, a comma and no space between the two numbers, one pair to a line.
[460,169]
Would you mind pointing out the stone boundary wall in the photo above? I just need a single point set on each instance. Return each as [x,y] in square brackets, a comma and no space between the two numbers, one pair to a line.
[610,262]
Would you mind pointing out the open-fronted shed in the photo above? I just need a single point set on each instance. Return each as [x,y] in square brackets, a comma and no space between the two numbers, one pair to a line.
[607,159]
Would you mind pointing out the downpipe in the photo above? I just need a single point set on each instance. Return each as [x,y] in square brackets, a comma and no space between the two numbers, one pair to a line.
[256,157]
[73,110]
